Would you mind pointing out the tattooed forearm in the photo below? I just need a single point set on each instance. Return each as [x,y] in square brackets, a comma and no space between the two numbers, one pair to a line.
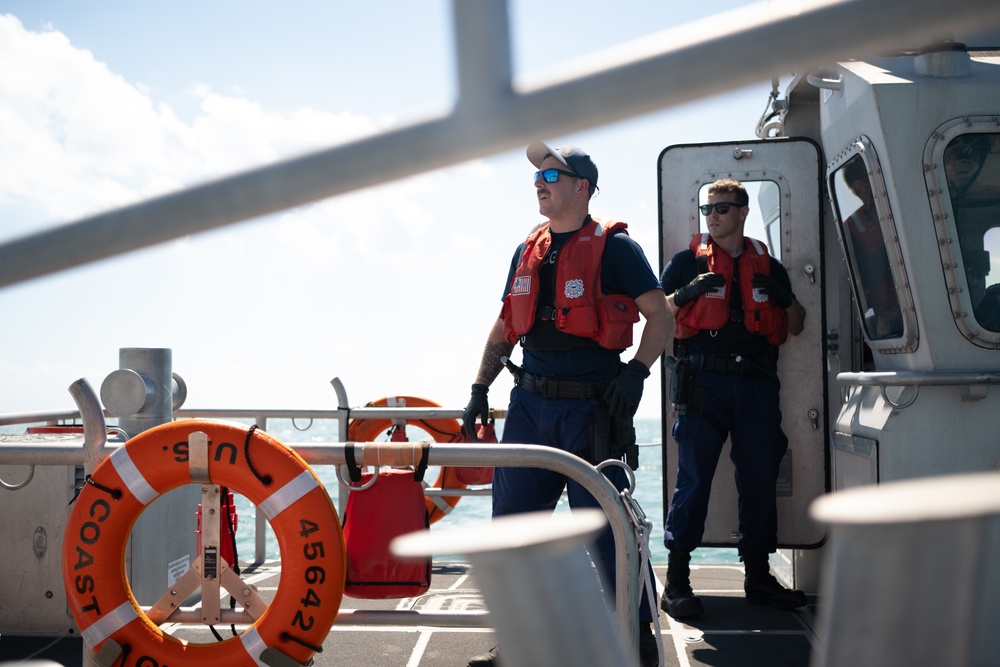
[491,364]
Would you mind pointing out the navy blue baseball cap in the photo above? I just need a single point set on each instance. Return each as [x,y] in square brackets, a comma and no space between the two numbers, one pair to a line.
[573,157]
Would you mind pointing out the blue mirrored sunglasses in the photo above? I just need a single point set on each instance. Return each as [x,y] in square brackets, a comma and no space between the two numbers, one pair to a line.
[552,175]
[721,207]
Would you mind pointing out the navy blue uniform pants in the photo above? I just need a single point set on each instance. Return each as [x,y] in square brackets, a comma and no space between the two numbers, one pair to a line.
[563,423]
[746,407]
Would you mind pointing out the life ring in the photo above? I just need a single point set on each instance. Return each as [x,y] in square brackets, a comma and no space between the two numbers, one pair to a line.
[442,430]
[274,478]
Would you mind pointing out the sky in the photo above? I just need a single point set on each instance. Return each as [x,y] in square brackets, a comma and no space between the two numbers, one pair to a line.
[393,289]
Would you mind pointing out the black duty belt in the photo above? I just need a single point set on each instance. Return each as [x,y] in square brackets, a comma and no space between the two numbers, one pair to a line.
[556,388]
[732,364]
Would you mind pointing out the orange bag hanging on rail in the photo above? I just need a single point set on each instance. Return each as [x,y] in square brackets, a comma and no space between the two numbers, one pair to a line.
[392,506]
[480,474]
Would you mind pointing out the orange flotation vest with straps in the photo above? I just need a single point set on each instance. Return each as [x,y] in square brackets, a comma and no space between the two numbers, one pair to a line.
[580,308]
[711,312]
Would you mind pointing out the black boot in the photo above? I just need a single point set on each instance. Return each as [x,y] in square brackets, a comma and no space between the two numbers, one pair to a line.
[678,600]
[762,588]
[490,658]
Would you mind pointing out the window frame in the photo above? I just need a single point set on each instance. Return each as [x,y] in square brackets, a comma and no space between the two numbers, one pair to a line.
[909,339]
[946,228]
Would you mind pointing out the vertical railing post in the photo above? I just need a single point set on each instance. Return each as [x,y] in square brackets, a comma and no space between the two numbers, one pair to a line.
[909,577]
[539,585]
[141,393]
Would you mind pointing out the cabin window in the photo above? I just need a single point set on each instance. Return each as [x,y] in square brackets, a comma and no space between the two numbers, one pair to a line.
[764,220]
[972,170]
[865,246]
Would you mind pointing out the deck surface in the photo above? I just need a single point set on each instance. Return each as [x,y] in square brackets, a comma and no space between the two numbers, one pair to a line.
[730,633]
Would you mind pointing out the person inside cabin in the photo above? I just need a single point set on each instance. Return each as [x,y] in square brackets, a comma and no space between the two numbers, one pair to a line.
[573,292]
[964,158]
[733,306]
[883,317]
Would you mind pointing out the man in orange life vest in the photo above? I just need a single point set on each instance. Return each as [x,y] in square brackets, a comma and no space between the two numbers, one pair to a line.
[733,306]
[572,295]
[881,305]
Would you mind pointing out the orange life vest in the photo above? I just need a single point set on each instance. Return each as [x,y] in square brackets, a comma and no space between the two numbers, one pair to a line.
[866,232]
[710,311]
[580,307]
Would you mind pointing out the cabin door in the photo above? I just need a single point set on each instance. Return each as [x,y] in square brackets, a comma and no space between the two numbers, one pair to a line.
[783,177]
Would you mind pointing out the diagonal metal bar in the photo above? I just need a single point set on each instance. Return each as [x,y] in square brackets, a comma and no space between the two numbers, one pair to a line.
[652,73]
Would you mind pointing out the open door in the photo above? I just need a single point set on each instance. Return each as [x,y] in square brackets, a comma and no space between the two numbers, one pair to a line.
[784,179]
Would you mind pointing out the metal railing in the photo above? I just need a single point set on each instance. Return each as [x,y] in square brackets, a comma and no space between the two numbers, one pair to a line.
[95,448]
[974,383]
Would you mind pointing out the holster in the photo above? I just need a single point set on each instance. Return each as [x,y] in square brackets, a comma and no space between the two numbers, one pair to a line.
[600,437]
[613,439]
[625,445]
[684,392]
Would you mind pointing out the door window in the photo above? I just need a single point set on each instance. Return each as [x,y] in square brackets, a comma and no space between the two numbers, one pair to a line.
[764,220]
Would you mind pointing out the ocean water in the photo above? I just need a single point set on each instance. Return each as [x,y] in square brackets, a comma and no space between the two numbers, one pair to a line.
[473,509]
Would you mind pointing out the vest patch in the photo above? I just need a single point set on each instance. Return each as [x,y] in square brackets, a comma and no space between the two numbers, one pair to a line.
[522,285]
[573,288]
[760,316]
[720,293]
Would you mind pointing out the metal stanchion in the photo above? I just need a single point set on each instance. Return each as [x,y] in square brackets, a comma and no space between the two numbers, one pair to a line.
[907,578]
[539,585]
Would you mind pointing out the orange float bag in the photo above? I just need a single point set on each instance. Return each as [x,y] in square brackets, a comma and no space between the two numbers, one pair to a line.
[480,474]
[392,506]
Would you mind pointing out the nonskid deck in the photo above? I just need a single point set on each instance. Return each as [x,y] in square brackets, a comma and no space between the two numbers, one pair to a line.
[730,633]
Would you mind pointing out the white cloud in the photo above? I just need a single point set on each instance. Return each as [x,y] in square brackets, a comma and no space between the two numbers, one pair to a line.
[87,140]
[393,288]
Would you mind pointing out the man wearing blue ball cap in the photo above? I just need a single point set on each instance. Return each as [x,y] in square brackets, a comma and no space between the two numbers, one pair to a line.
[575,288]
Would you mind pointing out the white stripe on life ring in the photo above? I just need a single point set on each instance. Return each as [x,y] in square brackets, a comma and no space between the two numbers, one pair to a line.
[254,645]
[110,623]
[284,497]
[136,483]
[438,501]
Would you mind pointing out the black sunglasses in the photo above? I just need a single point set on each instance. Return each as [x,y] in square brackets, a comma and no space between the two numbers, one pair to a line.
[721,207]
[552,175]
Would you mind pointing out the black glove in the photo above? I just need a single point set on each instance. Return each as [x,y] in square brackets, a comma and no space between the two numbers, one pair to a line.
[625,391]
[771,287]
[705,282]
[479,406]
